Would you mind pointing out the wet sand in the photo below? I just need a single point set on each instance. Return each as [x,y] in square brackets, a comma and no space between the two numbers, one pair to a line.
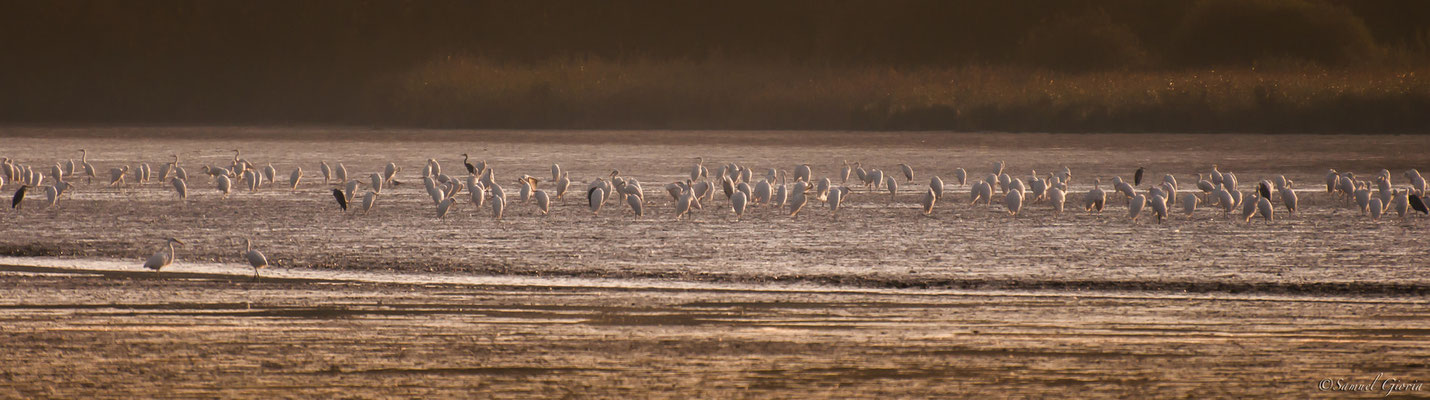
[78,335]
[879,302]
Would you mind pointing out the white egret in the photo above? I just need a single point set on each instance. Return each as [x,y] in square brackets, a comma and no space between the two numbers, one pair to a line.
[802,172]
[498,205]
[893,186]
[762,192]
[981,192]
[1223,198]
[445,205]
[930,197]
[63,187]
[936,185]
[1095,199]
[497,192]
[225,185]
[255,258]
[1417,182]
[350,190]
[528,185]
[181,188]
[164,257]
[780,196]
[543,201]
[737,204]
[1363,199]
[1400,202]
[88,168]
[836,199]
[479,195]
[1332,179]
[637,206]
[1159,206]
[1058,197]
[821,189]
[340,173]
[1189,204]
[1288,197]
[368,200]
[116,175]
[52,196]
[1263,207]
[294,178]
[698,169]
[562,184]
[270,174]
[797,198]
[1037,187]
[1014,202]
[684,203]
[595,198]
[1134,207]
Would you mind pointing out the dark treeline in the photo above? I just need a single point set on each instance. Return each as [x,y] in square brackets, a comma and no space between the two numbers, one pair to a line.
[327,61]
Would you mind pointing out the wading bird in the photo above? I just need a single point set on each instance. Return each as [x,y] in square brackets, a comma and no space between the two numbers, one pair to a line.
[930,197]
[341,198]
[737,204]
[19,197]
[595,198]
[498,206]
[1134,207]
[543,201]
[181,188]
[637,206]
[1418,204]
[471,169]
[255,258]
[162,258]
[294,178]
[368,201]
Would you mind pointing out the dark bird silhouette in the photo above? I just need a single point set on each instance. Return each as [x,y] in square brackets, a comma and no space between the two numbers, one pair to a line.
[471,169]
[1418,204]
[1137,177]
[19,196]
[342,199]
[1264,189]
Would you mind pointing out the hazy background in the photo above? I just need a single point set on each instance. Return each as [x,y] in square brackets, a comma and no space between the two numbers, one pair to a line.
[1018,65]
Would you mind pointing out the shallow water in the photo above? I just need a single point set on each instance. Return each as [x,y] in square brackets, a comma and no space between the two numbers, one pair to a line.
[873,243]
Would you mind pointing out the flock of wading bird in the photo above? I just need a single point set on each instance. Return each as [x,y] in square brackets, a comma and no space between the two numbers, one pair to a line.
[1215,189]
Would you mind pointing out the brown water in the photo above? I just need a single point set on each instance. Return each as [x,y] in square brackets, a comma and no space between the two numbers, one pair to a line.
[877,303]
[873,243]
